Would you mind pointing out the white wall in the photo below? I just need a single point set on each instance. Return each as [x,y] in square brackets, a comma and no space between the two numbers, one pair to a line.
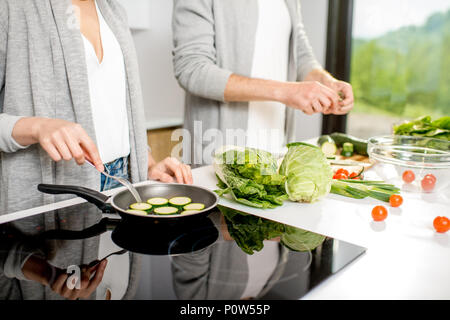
[164,98]
[315,19]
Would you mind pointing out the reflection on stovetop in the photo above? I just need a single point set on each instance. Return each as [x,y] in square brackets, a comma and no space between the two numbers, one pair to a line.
[229,255]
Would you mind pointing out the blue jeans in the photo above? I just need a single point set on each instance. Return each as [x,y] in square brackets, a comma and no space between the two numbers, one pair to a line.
[117,168]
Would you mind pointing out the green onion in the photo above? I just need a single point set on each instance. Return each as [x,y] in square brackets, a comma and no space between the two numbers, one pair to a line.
[359,189]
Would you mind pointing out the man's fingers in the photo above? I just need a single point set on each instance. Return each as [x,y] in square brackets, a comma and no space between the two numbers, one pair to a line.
[325,102]
[349,98]
[308,110]
[316,106]
[344,110]
[333,96]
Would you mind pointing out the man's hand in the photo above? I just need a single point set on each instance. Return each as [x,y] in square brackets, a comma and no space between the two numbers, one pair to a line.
[310,97]
[170,170]
[344,89]
[347,99]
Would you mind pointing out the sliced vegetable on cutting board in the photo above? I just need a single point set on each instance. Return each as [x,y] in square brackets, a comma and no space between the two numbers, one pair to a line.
[327,145]
[359,145]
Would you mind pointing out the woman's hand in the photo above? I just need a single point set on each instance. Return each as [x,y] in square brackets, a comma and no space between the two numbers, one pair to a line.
[62,140]
[37,269]
[310,97]
[86,286]
[170,170]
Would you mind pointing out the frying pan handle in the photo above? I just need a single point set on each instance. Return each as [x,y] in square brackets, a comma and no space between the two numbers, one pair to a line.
[92,196]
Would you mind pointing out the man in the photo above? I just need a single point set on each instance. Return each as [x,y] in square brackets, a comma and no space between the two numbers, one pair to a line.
[241,63]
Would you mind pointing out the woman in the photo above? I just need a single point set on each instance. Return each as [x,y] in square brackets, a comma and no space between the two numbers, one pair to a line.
[241,63]
[69,90]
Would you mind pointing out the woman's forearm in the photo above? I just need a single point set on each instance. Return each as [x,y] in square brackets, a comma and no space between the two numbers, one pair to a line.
[25,131]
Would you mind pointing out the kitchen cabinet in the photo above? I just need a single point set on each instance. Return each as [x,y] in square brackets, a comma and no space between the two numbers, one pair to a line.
[160,141]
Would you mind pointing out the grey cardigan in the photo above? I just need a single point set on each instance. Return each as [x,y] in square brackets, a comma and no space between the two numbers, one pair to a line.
[212,40]
[43,73]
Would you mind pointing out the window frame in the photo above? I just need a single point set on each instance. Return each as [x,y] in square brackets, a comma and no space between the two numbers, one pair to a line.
[339,49]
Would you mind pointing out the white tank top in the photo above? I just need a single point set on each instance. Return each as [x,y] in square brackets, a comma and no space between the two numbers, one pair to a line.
[266,120]
[107,88]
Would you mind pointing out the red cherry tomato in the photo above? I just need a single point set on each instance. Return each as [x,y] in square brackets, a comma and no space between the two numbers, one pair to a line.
[428,183]
[379,213]
[340,176]
[342,171]
[396,200]
[409,176]
[430,176]
[441,224]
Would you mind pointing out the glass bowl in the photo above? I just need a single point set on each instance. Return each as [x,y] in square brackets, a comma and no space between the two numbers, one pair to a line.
[393,155]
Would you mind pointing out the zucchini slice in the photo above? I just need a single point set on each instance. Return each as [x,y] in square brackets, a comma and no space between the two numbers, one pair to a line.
[190,211]
[166,210]
[194,206]
[180,202]
[329,149]
[137,212]
[158,202]
[141,206]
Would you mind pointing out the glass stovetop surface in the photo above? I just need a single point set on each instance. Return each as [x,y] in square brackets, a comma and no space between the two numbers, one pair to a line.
[228,255]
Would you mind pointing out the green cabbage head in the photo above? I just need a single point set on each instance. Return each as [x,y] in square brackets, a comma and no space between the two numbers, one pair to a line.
[309,176]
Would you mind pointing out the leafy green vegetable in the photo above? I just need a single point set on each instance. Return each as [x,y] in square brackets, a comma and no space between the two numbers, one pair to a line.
[250,231]
[301,240]
[251,177]
[309,175]
[425,127]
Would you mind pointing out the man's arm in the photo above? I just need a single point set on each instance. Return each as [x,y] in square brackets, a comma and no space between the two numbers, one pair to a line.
[308,96]
[194,55]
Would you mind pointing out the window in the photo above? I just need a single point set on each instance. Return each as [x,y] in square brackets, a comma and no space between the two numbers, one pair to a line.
[400,63]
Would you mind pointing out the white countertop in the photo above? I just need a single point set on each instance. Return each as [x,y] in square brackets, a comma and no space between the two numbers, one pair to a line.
[406,258]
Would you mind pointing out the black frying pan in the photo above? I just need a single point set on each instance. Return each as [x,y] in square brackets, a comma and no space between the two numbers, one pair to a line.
[121,201]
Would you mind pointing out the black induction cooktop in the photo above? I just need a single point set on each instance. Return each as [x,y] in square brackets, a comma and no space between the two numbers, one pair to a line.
[228,256]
